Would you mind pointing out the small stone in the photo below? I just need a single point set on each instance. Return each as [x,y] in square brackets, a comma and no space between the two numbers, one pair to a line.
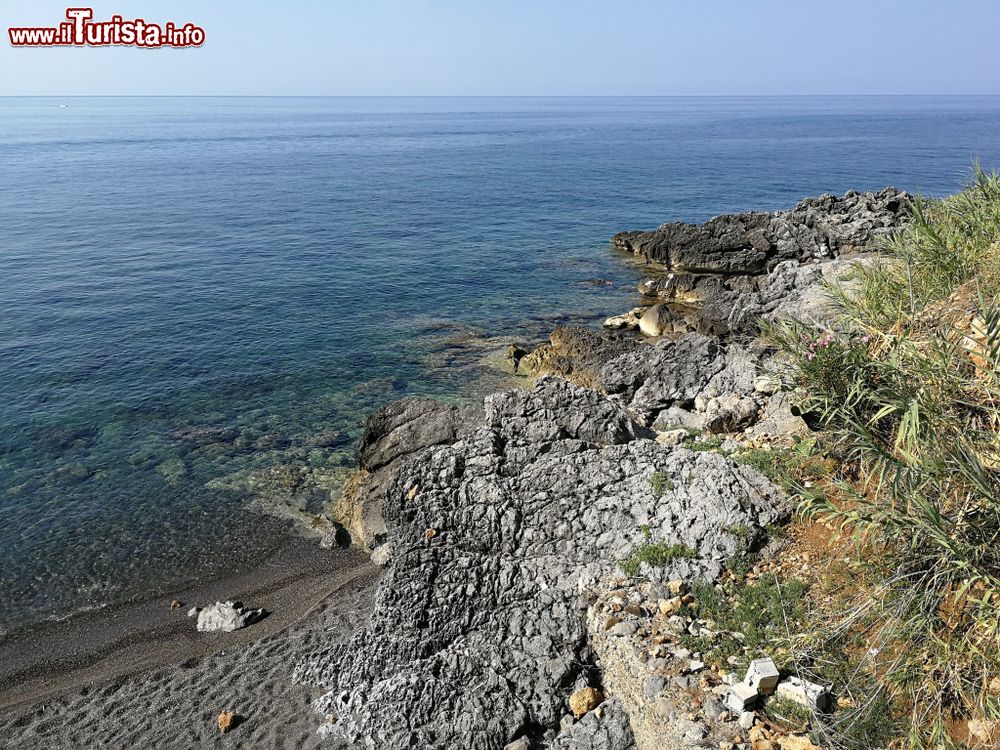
[654,686]
[584,700]
[697,732]
[227,617]
[695,666]
[681,682]
[176,604]
[625,629]
[665,709]
[430,533]
[746,720]
[677,587]
[635,610]
[227,720]
[193,612]
[566,722]
[713,709]
[521,743]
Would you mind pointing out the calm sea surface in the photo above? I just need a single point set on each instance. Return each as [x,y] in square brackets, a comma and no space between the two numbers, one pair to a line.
[195,290]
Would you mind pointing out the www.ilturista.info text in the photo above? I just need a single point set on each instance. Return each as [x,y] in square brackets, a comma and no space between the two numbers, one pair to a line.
[80,30]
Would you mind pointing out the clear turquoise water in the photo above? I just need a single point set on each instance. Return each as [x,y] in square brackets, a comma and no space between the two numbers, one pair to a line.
[275,268]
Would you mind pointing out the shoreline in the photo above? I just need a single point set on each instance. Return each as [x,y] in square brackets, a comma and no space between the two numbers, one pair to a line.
[45,660]
[562,445]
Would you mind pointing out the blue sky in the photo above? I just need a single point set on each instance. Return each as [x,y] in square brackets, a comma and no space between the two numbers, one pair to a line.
[534,47]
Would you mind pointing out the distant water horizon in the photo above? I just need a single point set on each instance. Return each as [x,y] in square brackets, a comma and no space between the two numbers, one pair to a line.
[199,291]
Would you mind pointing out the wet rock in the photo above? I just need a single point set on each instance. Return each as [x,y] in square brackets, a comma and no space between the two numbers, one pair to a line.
[328,439]
[173,470]
[70,474]
[201,435]
[226,617]
[271,441]
[405,427]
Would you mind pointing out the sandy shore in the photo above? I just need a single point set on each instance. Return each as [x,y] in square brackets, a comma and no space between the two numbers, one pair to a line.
[141,676]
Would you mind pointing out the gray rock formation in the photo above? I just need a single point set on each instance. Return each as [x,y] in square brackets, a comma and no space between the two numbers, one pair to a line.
[753,243]
[724,275]
[478,630]
[577,353]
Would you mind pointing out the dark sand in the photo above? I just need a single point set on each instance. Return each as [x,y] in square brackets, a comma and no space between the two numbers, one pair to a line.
[141,676]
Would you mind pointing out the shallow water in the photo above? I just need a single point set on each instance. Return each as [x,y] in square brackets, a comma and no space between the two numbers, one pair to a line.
[195,287]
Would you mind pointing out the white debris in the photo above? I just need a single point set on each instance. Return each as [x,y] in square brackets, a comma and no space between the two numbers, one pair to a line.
[741,697]
[227,617]
[763,675]
[805,693]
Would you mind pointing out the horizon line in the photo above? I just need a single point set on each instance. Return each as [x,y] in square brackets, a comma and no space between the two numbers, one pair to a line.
[492,96]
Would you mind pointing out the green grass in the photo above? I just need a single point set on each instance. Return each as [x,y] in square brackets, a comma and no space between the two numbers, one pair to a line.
[765,611]
[908,395]
[655,554]
[710,443]
[660,483]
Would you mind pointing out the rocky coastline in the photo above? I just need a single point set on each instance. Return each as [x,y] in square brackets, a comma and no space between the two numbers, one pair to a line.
[538,554]
[538,547]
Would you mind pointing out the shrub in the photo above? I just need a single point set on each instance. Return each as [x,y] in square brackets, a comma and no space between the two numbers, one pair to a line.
[654,554]
[906,387]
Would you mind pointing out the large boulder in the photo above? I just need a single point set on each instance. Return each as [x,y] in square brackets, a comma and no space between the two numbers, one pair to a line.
[478,630]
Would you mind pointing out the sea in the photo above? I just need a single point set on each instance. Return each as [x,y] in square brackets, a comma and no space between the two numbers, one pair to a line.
[201,299]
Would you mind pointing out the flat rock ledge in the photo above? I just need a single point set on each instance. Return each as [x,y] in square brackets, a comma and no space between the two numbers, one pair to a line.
[478,632]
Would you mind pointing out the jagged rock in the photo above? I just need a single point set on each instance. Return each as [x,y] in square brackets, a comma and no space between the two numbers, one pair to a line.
[482,629]
[779,420]
[226,617]
[671,371]
[751,243]
[611,731]
[734,270]
[577,354]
